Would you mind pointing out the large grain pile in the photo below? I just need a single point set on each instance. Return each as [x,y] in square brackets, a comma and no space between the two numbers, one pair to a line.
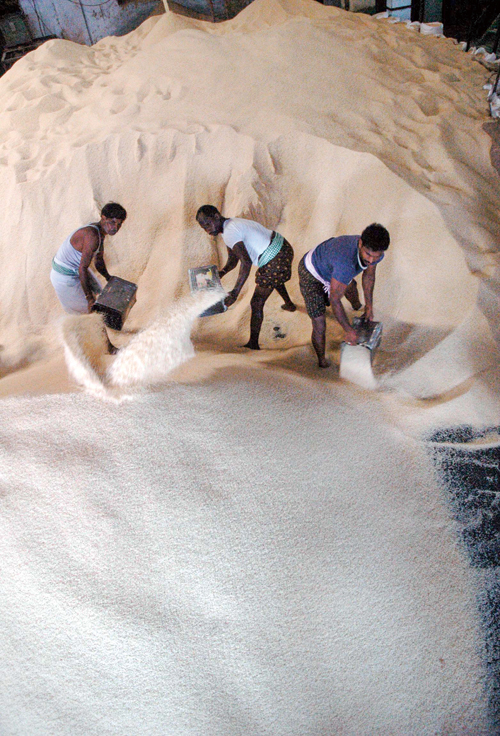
[252,546]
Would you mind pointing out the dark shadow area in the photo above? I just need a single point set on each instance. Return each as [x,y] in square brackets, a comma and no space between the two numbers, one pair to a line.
[471,477]
[460,15]
[16,38]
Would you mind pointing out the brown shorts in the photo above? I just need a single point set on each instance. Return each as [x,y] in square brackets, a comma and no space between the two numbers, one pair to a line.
[278,271]
[315,297]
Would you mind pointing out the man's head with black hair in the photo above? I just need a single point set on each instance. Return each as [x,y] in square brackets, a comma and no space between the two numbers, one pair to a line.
[115,211]
[376,238]
[373,242]
[210,219]
[112,217]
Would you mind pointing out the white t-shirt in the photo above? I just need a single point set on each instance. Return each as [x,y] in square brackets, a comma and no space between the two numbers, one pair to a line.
[255,237]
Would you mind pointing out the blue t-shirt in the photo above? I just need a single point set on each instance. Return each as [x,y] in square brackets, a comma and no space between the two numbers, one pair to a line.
[337,258]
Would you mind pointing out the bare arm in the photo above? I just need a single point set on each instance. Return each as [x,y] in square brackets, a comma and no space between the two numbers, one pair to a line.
[337,291]
[231,263]
[87,243]
[368,282]
[100,265]
[242,256]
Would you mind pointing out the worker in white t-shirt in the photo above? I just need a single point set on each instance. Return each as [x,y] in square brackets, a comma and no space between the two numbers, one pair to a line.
[250,243]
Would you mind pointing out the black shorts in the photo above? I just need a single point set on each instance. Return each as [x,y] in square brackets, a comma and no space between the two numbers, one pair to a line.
[315,297]
[278,271]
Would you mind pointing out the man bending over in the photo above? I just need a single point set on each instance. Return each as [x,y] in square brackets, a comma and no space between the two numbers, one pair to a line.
[75,285]
[327,273]
[249,243]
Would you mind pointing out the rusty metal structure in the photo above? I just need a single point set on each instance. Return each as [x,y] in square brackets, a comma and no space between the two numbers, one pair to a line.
[211,10]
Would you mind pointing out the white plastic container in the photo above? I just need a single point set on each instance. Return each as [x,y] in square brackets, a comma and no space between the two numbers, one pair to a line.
[432,29]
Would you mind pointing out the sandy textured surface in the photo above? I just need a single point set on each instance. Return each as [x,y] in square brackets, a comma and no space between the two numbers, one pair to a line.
[250,545]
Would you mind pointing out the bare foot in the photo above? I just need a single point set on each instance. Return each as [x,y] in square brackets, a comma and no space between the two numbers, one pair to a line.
[324,363]
[252,345]
[289,307]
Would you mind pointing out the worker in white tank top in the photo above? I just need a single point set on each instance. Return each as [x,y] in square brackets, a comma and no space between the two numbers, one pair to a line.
[250,243]
[74,283]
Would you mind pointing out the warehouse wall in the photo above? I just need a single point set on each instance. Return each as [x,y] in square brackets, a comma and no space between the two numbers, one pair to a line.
[86,22]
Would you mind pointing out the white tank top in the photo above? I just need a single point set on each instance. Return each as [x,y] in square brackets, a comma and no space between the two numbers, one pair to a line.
[254,236]
[70,257]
